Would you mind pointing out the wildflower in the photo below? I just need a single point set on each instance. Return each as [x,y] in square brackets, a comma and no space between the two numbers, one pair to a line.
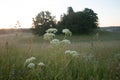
[65,41]
[73,53]
[30,59]
[49,36]
[55,42]
[41,64]
[31,65]
[67,51]
[67,32]
[51,30]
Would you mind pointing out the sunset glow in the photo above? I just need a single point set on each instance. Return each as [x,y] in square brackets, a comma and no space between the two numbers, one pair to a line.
[23,11]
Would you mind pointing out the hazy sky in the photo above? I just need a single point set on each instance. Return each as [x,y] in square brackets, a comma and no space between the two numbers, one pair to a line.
[24,10]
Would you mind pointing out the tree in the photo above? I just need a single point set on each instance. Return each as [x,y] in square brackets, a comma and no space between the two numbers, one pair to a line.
[84,22]
[42,22]
[70,10]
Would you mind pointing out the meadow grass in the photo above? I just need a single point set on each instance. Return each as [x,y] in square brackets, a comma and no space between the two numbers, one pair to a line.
[98,59]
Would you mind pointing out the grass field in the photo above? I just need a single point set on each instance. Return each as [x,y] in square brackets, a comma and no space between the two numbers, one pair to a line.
[98,59]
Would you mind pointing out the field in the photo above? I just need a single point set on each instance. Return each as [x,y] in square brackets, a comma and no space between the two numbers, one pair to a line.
[98,57]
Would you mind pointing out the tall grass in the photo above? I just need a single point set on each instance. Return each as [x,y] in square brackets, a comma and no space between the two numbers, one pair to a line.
[100,61]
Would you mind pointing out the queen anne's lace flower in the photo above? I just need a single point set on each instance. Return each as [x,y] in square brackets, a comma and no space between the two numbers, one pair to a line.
[67,51]
[51,30]
[49,36]
[55,42]
[31,65]
[41,64]
[67,32]
[73,53]
[30,59]
[65,41]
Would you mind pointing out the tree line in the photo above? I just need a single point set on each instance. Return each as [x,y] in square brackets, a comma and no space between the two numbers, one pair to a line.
[81,22]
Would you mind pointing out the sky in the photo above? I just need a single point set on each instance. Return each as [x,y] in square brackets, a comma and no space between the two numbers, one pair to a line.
[23,11]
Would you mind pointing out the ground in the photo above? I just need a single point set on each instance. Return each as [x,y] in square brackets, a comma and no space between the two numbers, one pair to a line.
[98,59]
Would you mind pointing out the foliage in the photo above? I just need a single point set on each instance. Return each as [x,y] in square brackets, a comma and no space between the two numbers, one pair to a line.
[85,21]
[82,22]
[70,10]
[42,22]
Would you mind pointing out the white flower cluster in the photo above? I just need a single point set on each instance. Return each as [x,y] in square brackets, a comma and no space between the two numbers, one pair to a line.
[30,64]
[49,36]
[67,32]
[51,30]
[41,64]
[55,42]
[30,59]
[71,52]
[58,42]
[65,41]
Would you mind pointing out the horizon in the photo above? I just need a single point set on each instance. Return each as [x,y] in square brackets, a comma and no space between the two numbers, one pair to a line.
[23,11]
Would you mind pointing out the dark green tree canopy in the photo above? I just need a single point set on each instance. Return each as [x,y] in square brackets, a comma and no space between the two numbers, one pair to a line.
[42,22]
[44,17]
[81,22]
[85,21]
[70,10]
